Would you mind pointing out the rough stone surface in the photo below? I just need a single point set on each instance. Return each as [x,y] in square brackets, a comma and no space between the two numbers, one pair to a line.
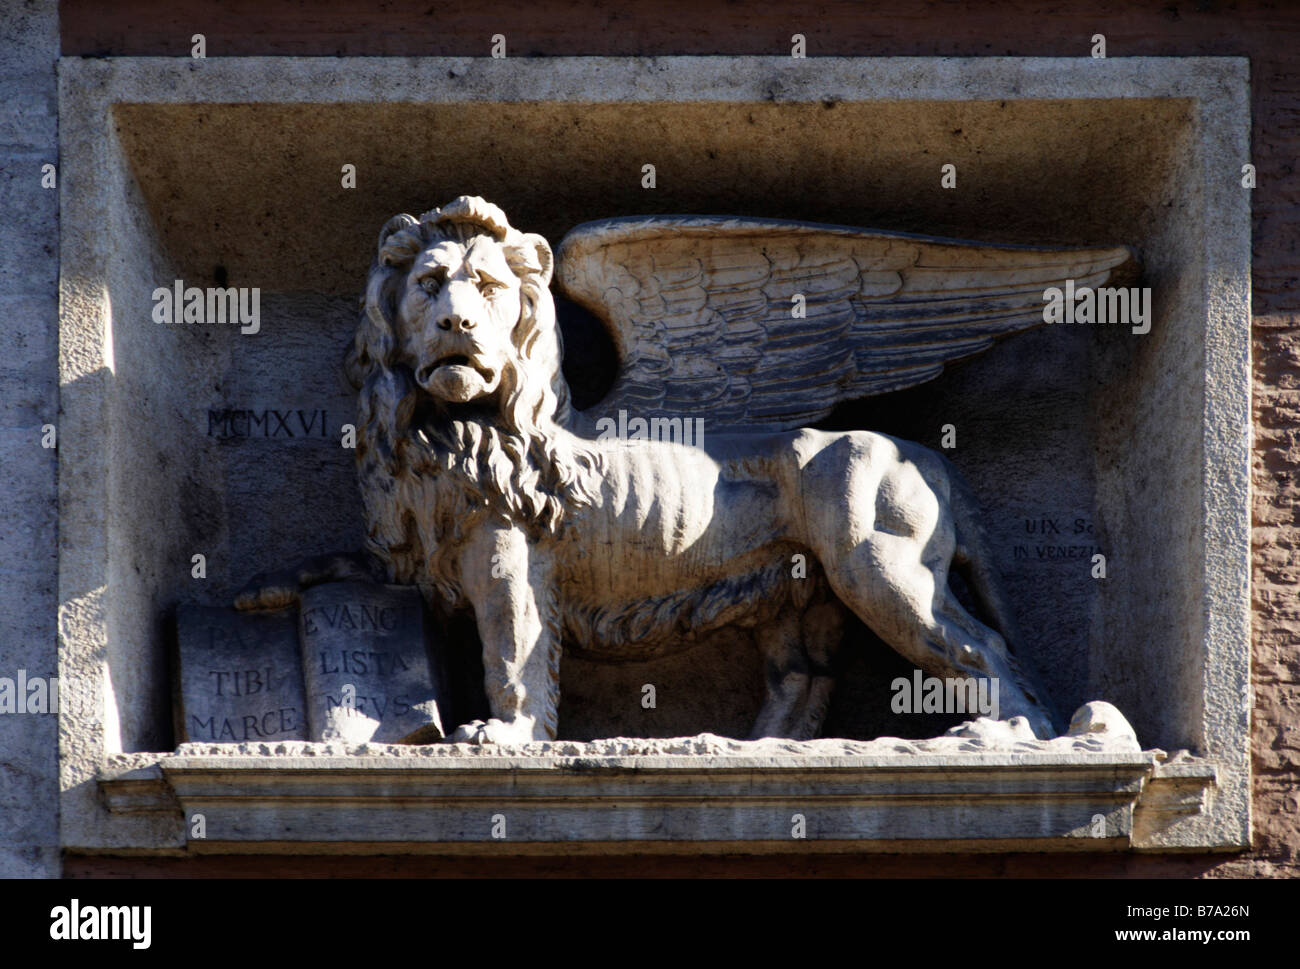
[29,233]
[1097,728]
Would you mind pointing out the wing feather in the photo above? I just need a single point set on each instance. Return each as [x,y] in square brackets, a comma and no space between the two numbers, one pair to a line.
[700,309]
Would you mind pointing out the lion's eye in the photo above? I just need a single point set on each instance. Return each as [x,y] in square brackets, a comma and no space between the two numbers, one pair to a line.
[491,288]
[429,284]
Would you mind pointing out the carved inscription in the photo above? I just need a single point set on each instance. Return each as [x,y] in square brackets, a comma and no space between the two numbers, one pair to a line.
[239,676]
[270,422]
[1057,538]
[366,669]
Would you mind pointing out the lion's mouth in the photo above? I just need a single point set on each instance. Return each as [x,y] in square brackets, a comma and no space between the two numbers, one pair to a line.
[453,360]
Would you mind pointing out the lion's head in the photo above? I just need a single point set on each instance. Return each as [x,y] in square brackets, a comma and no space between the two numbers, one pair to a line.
[462,403]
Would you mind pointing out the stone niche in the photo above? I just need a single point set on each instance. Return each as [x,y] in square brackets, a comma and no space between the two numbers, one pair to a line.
[177,441]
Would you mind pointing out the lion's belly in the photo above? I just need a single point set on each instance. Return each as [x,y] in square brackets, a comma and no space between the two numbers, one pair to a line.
[680,544]
[669,516]
[755,591]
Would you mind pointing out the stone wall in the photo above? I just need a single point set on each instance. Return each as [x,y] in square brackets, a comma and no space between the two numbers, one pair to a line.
[1269,37]
[29,399]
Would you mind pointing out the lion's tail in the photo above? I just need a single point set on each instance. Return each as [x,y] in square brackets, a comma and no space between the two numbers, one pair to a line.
[974,560]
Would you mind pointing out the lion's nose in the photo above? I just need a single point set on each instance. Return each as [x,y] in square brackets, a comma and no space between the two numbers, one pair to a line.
[454,321]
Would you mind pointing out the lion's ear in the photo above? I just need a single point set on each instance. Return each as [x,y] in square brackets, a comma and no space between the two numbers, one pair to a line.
[527,252]
[399,240]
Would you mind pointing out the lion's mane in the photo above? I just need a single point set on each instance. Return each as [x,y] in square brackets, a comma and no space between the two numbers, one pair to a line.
[429,471]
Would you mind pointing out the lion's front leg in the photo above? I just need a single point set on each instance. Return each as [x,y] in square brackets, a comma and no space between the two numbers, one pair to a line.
[508,580]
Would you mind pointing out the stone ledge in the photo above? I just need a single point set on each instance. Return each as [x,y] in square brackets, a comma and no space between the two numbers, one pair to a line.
[334,799]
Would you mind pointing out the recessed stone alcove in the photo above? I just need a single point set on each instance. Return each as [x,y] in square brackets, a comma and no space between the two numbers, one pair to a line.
[229,174]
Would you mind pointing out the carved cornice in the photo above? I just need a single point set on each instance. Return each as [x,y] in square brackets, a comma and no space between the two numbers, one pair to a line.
[315,798]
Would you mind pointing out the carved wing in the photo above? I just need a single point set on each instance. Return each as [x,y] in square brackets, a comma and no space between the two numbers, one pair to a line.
[700,310]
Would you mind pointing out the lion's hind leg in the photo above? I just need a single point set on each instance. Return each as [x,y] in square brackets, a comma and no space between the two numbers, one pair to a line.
[1027,699]
[785,674]
[798,649]
[822,626]
[905,600]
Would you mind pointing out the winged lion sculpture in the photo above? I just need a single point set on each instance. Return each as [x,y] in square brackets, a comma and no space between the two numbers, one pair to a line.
[484,487]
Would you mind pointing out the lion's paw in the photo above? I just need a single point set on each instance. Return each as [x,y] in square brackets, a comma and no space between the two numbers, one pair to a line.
[276,590]
[492,732]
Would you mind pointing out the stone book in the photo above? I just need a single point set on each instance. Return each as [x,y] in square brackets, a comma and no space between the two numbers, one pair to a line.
[239,676]
[366,670]
[350,664]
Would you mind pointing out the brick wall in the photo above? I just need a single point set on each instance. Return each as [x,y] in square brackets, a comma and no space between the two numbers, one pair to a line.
[1267,33]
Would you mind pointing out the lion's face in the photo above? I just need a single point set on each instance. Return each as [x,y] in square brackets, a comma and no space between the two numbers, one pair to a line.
[457,311]
[455,317]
